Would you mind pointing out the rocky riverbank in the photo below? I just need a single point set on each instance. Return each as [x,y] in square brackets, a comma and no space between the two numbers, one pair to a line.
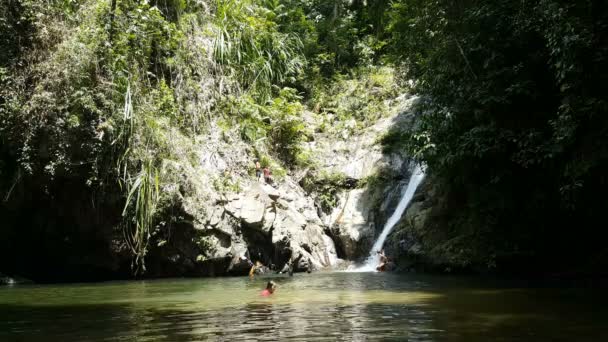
[216,215]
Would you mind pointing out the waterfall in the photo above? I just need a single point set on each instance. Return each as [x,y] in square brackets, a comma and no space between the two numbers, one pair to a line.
[373,259]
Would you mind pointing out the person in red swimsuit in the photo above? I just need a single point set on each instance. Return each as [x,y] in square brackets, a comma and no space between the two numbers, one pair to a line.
[270,287]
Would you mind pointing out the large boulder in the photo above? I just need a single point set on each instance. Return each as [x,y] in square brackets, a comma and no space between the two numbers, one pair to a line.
[249,209]
[352,223]
[276,229]
[298,235]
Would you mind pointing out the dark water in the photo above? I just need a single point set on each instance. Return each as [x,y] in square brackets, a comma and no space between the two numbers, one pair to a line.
[322,306]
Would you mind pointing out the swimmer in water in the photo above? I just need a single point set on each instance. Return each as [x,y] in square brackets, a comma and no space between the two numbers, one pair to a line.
[270,288]
[254,268]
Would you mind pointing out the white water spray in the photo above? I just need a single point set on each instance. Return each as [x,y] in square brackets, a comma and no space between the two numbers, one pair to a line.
[373,259]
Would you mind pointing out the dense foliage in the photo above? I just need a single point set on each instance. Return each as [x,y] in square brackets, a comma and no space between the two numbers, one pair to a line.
[515,120]
[95,93]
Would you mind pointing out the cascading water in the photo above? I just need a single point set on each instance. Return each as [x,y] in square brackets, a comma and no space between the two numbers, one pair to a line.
[373,259]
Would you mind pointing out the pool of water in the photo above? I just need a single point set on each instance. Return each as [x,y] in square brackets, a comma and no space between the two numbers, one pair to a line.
[312,307]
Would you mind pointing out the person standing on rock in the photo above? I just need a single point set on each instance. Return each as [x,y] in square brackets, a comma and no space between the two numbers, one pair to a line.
[267,175]
[258,170]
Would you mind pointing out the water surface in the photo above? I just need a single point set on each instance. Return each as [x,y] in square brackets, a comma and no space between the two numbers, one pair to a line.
[321,306]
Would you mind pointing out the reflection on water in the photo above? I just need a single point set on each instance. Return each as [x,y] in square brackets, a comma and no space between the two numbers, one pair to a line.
[330,306]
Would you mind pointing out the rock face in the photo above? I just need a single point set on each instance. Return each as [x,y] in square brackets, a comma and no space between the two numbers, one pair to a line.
[353,222]
[226,219]
[420,242]
[290,229]
[234,219]
[361,211]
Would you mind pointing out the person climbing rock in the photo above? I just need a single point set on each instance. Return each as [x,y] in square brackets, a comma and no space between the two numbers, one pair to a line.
[267,175]
[270,288]
[258,170]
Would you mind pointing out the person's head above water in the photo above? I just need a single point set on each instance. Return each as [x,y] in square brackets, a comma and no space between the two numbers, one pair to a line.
[271,286]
